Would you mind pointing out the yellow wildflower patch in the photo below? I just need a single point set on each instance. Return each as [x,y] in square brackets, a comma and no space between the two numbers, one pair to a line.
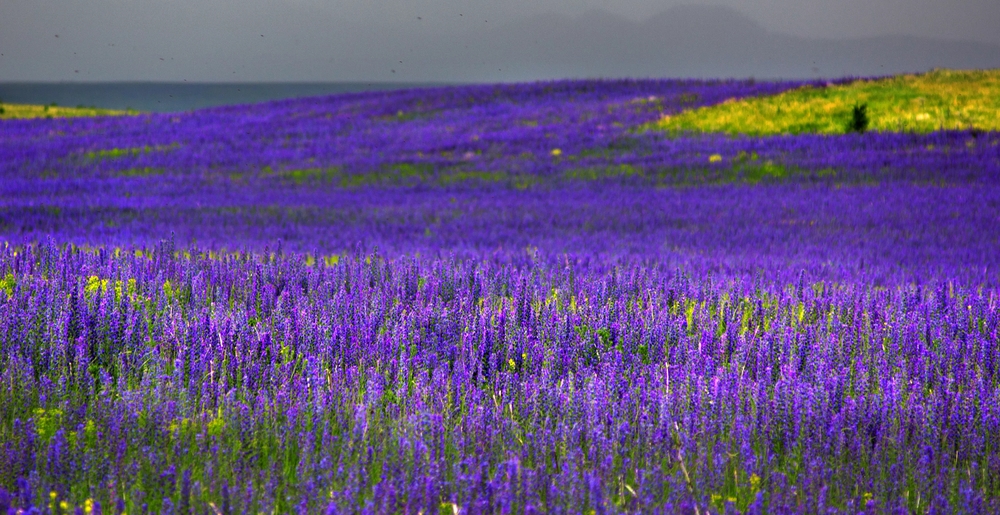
[10,111]
[941,99]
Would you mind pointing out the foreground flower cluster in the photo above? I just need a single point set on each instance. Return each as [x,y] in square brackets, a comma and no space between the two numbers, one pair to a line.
[495,299]
[158,381]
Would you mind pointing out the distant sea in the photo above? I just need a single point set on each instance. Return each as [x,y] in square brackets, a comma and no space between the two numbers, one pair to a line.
[174,96]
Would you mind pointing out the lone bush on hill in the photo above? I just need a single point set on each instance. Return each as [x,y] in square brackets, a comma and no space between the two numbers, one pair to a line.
[859,119]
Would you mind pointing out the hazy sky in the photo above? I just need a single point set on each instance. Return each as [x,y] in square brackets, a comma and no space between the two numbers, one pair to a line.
[462,40]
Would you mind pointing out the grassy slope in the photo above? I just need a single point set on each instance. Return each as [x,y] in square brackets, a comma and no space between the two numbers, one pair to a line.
[8,111]
[941,99]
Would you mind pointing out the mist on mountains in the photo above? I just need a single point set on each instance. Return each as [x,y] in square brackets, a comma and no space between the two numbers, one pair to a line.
[180,42]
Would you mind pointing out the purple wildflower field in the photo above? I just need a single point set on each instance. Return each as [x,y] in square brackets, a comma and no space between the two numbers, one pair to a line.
[495,299]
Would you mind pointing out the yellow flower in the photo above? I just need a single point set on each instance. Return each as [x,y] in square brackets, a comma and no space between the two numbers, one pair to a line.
[714,158]
[556,152]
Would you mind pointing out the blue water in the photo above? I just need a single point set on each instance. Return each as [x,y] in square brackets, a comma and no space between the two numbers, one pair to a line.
[174,96]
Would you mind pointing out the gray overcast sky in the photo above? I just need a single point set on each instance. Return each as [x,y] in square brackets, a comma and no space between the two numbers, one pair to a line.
[480,40]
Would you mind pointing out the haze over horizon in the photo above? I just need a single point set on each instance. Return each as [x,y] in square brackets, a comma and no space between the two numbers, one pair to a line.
[515,40]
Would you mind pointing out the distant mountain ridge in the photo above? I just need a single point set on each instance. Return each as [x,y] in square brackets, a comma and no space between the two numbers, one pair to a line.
[700,41]
[310,44]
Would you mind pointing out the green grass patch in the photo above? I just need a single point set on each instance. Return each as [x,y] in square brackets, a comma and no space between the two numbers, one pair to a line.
[463,176]
[21,111]
[605,172]
[940,99]
[114,153]
[742,168]
[397,174]
[141,172]
[306,175]
[400,174]
[406,116]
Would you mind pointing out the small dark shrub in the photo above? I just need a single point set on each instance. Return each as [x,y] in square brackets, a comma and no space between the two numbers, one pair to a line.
[859,119]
